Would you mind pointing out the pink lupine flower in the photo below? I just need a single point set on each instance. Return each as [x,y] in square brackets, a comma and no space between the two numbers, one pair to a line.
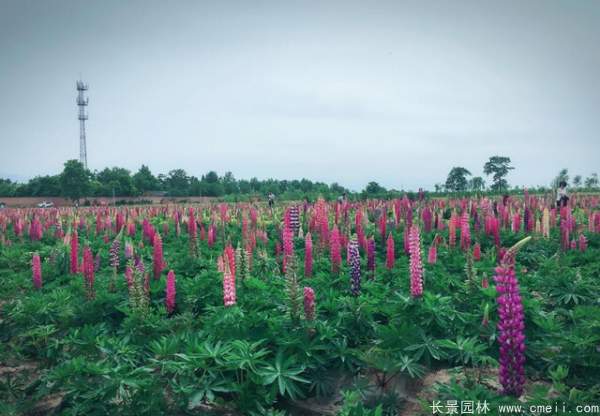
[88,271]
[477,252]
[308,259]
[335,250]
[390,253]
[465,232]
[416,264]
[582,243]
[129,276]
[74,253]
[309,304]
[36,268]
[170,292]
[229,295]
[383,223]
[452,230]
[288,245]
[158,263]
[426,216]
[432,254]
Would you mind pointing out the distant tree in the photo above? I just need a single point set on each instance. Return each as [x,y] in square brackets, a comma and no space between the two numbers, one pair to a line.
[74,180]
[212,184]
[373,188]
[7,187]
[117,181]
[563,176]
[592,181]
[178,183]
[230,185]
[577,181]
[439,187]
[144,181]
[457,179]
[477,184]
[244,186]
[499,166]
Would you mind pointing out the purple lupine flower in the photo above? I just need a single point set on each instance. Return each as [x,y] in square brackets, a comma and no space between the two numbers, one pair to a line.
[354,267]
[511,325]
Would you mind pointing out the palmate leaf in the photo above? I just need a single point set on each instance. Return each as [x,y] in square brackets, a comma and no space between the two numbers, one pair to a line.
[284,376]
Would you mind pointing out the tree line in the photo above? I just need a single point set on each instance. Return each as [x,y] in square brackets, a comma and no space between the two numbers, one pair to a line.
[75,182]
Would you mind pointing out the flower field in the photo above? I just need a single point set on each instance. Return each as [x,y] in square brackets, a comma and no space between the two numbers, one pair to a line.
[354,308]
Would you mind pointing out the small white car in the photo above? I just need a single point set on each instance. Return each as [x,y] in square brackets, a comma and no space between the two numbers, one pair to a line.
[45,204]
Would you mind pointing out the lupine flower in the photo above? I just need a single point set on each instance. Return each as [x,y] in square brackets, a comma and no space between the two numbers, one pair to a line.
[309,304]
[129,276]
[114,252]
[582,243]
[128,250]
[88,271]
[432,254]
[170,292]
[476,252]
[390,255]
[36,269]
[426,215]
[371,257]
[354,267]
[383,223]
[416,264]
[74,252]
[288,245]
[511,325]
[335,250]
[192,232]
[308,259]
[229,298]
[158,262]
[465,232]
[452,230]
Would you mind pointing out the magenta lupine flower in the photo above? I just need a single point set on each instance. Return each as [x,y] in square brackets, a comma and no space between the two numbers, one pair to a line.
[308,259]
[432,254]
[74,253]
[511,325]
[229,298]
[36,269]
[416,264]
[170,292]
[582,243]
[427,217]
[452,230]
[128,250]
[383,223]
[335,250]
[516,222]
[88,271]
[465,232]
[354,267]
[477,252]
[129,276]
[390,253]
[371,257]
[229,258]
[309,304]
[131,229]
[35,230]
[158,262]
[288,245]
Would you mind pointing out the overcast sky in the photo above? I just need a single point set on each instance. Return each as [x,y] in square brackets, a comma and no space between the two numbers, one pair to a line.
[397,92]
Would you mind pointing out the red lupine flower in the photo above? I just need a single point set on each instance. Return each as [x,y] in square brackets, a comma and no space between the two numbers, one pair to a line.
[170,292]
[582,243]
[288,245]
[477,252]
[36,268]
[157,256]
[390,253]
[74,252]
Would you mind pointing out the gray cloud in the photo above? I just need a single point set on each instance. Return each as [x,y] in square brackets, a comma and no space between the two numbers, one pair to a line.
[397,92]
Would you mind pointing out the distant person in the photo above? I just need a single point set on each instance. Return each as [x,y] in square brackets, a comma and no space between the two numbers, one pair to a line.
[271,199]
[562,198]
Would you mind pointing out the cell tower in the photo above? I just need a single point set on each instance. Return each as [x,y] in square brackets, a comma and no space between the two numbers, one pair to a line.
[82,102]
